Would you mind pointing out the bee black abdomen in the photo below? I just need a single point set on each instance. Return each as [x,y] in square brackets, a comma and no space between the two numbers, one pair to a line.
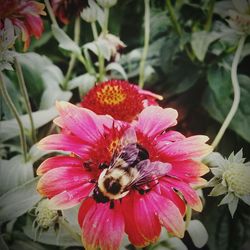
[99,197]
[112,186]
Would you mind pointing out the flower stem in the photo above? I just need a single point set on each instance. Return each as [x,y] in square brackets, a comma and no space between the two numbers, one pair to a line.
[236,89]
[188,216]
[100,56]
[26,98]
[106,20]
[51,13]
[146,42]
[178,28]
[210,15]
[15,114]
[72,62]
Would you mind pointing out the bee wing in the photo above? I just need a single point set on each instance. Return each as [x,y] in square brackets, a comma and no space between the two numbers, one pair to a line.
[127,151]
[125,157]
[149,171]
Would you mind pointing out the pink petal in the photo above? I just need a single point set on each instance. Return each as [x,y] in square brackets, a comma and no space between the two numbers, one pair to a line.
[188,168]
[189,194]
[113,228]
[64,142]
[153,120]
[83,122]
[170,194]
[171,136]
[188,148]
[101,226]
[131,228]
[147,222]
[57,162]
[168,214]
[62,179]
[68,199]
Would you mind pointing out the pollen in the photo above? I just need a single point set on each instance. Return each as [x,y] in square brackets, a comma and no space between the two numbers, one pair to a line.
[120,99]
[111,95]
[113,145]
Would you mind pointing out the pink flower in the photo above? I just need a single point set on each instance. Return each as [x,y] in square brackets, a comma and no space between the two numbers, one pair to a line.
[25,17]
[118,98]
[131,178]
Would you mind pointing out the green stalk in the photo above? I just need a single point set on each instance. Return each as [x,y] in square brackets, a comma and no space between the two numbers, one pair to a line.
[51,13]
[106,20]
[178,28]
[72,62]
[188,216]
[15,114]
[100,57]
[236,89]
[146,42]
[210,15]
[24,92]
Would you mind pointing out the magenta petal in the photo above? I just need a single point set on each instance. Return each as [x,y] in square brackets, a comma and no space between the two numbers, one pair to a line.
[68,199]
[83,122]
[57,162]
[64,142]
[131,228]
[101,226]
[170,194]
[189,194]
[188,148]
[113,228]
[168,214]
[153,120]
[171,136]
[147,222]
[62,179]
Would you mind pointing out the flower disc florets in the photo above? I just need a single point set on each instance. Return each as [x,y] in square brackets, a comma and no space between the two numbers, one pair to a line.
[131,178]
[231,177]
[120,99]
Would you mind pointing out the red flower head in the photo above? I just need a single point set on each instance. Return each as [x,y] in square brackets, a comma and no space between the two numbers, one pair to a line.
[66,9]
[25,16]
[131,178]
[120,99]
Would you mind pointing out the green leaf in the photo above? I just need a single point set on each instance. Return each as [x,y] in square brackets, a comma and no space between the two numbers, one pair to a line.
[18,201]
[118,68]
[10,129]
[61,237]
[14,172]
[218,100]
[65,42]
[84,82]
[200,42]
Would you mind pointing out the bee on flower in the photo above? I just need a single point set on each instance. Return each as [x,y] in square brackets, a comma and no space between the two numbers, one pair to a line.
[118,98]
[130,178]
[25,18]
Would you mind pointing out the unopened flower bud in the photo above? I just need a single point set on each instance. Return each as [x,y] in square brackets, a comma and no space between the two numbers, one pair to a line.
[107,3]
[89,14]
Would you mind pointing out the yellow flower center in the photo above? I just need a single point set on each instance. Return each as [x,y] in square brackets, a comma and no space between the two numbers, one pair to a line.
[237,179]
[111,95]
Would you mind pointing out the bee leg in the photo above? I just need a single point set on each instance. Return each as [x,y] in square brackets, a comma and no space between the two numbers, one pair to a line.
[111,204]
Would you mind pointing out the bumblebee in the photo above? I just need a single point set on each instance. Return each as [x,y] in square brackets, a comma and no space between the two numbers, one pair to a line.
[130,168]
